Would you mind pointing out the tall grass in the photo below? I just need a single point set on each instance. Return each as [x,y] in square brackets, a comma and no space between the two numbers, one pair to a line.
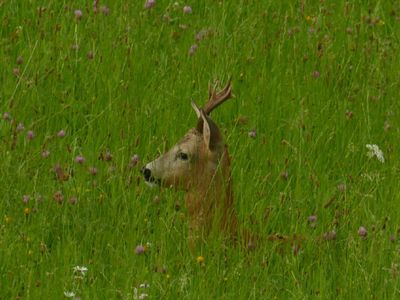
[314,83]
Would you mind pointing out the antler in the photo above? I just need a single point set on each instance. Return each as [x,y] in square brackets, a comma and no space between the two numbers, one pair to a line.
[215,99]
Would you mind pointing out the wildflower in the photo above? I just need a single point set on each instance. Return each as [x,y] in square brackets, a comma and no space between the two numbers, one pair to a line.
[80,269]
[6,116]
[7,219]
[187,9]
[202,34]
[144,285]
[80,159]
[108,156]
[78,14]
[143,296]
[284,175]
[30,135]
[39,198]
[149,4]
[16,72]
[69,294]
[75,47]
[19,60]
[341,187]
[20,127]
[58,197]
[312,219]
[27,211]
[45,153]
[392,238]
[362,232]
[375,151]
[200,260]
[252,133]
[330,235]
[349,114]
[95,4]
[60,174]
[61,133]
[93,171]
[316,74]
[73,200]
[251,246]
[139,249]
[193,49]
[296,249]
[105,10]
[25,199]
[90,55]
[134,161]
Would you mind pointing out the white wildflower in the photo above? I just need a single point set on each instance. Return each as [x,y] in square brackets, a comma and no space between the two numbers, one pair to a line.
[143,296]
[69,294]
[144,285]
[80,269]
[375,151]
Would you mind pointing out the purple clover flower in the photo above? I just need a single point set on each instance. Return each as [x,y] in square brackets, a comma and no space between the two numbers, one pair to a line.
[362,232]
[61,133]
[149,4]
[140,249]
[80,159]
[78,14]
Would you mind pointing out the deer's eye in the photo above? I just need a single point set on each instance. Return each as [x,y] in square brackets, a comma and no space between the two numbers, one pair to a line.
[182,156]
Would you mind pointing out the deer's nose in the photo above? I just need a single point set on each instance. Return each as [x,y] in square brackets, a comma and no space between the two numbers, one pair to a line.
[146,173]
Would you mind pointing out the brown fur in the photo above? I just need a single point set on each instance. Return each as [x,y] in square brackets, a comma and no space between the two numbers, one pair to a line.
[205,175]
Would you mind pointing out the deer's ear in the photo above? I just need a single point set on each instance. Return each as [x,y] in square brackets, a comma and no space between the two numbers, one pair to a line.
[196,109]
[211,134]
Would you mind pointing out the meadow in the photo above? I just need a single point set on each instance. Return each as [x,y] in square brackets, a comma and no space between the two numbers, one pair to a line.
[90,92]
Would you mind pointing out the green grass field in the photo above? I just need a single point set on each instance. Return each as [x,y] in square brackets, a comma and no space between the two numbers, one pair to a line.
[315,82]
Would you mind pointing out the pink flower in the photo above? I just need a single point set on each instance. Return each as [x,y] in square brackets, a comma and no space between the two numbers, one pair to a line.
[25,199]
[193,49]
[139,249]
[252,133]
[6,116]
[45,153]
[149,4]
[78,14]
[30,135]
[312,219]
[20,127]
[80,159]
[105,10]
[362,232]
[316,74]
[61,133]
[187,9]
[134,160]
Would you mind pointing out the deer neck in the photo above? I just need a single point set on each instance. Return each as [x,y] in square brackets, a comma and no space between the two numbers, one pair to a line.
[210,202]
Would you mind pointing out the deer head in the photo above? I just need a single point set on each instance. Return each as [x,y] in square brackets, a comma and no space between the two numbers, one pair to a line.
[195,158]
[199,164]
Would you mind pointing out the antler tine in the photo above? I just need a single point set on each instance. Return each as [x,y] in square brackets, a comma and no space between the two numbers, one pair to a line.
[215,99]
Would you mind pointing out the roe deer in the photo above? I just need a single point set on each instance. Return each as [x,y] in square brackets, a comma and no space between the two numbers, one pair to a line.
[199,164]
